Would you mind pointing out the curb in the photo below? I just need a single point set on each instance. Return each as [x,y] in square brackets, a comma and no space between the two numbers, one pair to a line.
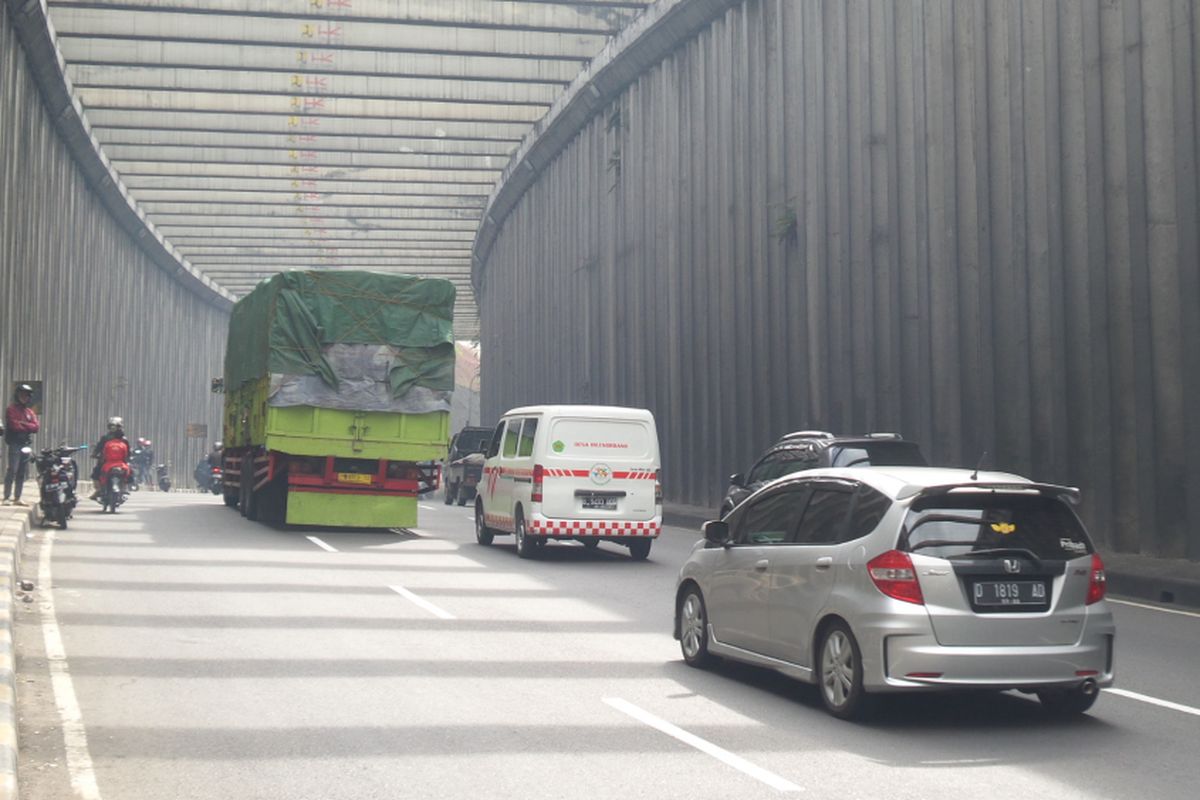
[1168,582]
[14,523]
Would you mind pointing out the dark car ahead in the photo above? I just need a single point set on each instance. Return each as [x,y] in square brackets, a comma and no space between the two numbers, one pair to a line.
[805,450]
[463,467]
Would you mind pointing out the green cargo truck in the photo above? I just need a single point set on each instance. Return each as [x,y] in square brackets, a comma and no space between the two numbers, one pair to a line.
[337,397]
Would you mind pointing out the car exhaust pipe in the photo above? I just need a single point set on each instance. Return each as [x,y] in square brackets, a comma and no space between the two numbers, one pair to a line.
[1089,688]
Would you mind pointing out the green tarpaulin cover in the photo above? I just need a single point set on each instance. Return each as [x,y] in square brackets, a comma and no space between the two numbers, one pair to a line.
[344,328]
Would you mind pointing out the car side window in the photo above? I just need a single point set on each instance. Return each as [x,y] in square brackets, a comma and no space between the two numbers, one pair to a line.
[528,431]
[870,506]
[511,436]
[763,469]
[771,519]
[494,445]
[825,517]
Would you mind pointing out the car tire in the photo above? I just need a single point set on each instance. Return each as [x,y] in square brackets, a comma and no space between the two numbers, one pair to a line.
[450,493]
[483,535]
[1068,702]
[693,630]
[526,544]
[839,674]
[639,549]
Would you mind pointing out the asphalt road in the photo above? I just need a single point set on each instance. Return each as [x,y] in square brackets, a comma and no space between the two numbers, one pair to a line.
[197,655]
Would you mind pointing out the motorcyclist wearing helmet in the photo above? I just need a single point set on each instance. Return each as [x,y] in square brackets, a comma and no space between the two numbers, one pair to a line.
[116,430]
[20,423]
[214,455]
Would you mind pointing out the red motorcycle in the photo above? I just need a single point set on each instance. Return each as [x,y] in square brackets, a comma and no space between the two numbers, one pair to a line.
[114,486]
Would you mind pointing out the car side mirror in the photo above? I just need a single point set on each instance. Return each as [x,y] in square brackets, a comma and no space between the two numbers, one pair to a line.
[716,532]
[737,479]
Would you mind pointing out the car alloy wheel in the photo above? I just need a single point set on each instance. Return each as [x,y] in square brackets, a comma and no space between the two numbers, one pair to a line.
[525,543]
[693,630]
[840,676]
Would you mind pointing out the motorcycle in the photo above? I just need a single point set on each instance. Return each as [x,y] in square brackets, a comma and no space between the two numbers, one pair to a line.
[58,475]
[209,478]
[115,482]
[216,481]
[164,480]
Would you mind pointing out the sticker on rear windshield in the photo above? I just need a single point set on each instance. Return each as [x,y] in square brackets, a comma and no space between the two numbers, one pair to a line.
[559,446]
[1072,546]
[1003,528]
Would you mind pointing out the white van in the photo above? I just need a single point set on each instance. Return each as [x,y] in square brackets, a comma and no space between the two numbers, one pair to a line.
[589,473]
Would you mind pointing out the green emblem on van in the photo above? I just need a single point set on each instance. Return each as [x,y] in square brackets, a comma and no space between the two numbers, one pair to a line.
[559,446]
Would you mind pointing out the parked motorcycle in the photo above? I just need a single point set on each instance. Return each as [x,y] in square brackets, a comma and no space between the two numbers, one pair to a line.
[114,486]
[58,475]
[164,479]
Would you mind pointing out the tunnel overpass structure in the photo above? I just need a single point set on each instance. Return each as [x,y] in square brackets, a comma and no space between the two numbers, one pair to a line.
[973,223]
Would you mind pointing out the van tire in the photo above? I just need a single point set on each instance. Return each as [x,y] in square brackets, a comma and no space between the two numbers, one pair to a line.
[483,534]
[639,549]
[449,493]
[526,544]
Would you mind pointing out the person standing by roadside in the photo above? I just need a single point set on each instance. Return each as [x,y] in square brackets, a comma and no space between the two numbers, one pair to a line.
[20,424]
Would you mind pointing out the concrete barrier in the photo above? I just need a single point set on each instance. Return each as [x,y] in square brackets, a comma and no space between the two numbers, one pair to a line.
[15,522]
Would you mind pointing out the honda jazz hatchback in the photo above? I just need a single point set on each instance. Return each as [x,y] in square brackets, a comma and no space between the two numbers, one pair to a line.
[874,580]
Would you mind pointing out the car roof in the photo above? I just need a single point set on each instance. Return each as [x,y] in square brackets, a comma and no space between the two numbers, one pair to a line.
[903,482]
[600,412]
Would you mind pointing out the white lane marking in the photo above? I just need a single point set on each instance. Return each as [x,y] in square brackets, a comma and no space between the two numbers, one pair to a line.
[321,544]
[470,517]
[704,746]
[1154,608]
[79,758]
[1154,701]
[422,602]
[426,508]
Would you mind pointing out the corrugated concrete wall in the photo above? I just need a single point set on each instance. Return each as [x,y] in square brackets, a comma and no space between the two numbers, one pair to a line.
[82,307]
[972,222]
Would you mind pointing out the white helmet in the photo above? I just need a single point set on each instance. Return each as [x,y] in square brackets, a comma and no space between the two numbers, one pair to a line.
[116,424]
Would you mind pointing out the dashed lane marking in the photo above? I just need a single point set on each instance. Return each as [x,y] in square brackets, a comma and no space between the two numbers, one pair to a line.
[703,745]
[321,544]
[1154,608]
[1154,701]
[422,602]
[79,757]
[426,508]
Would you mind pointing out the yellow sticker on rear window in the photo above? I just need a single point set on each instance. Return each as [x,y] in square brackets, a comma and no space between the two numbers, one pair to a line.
[1003,527]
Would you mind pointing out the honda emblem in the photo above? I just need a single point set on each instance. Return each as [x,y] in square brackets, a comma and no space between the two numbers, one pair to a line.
[1012,565]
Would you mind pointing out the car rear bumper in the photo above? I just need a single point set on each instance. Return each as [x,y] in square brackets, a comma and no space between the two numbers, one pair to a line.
[556,528]
[918,661]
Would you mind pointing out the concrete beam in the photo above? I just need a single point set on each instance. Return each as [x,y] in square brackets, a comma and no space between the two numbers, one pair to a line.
[285,105]
[304,204]
[301,32]
[236,81]
[204,254]
[307,237]
[272,215]
[602,18]
[296,171]
[324,190]
[282,227]
[306,124]
[330,62]
[347,260]
[305,160]
[318,143]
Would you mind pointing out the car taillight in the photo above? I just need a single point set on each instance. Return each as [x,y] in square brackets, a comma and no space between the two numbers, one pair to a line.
[1097,581]
[538,473]
[894,575]
[658,487]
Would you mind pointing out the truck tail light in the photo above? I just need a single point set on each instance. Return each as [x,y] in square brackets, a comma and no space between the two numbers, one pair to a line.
[538,474]
[894,575]
[1097,581]
[658,487]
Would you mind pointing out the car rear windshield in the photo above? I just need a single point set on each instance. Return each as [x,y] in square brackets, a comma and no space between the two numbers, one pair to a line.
[472,441]
[877,454]
[976,524]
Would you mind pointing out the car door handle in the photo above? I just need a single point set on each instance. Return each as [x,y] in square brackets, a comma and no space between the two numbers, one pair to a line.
[824,562]
[761,566]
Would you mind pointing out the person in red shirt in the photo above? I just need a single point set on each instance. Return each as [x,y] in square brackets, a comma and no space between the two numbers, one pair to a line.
[20,424]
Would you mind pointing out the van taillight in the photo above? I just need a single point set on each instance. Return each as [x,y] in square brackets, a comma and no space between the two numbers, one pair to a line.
[658,487]
[1097,581]
[894,575]
[538,473]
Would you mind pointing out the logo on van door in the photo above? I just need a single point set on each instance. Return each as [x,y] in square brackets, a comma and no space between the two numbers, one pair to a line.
[601,474]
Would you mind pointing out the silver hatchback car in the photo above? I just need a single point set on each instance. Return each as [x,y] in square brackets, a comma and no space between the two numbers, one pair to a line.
[893,579]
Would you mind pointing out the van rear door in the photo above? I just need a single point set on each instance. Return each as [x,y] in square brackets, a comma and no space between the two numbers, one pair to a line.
[600,469]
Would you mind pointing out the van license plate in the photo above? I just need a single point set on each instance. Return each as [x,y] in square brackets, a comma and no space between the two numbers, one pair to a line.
[1010,593]
[354,477]
[600,503]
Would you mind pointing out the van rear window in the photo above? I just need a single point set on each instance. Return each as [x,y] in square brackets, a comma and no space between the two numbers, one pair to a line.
[601,438]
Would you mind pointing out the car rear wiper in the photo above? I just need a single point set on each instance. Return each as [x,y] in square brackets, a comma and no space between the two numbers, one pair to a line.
[941,543]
